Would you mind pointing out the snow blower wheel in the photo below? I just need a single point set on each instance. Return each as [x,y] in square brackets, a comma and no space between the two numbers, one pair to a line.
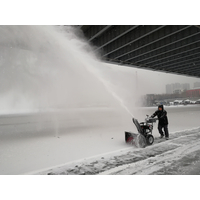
[149,139]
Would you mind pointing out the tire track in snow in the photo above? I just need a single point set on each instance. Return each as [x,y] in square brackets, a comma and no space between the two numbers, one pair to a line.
[151,165]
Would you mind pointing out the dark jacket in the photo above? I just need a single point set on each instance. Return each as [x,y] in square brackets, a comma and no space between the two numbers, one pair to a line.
[162,116]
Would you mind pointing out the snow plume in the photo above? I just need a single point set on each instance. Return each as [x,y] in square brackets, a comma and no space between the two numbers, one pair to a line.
[48,67]
[45,67]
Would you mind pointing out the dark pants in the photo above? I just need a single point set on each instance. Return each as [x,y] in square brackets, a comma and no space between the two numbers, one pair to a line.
[165,130]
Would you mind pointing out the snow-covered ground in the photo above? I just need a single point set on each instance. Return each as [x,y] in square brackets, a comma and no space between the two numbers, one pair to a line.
[63,142]
[179,155]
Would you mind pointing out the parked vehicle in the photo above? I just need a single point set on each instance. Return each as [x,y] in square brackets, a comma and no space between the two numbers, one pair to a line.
[198,101]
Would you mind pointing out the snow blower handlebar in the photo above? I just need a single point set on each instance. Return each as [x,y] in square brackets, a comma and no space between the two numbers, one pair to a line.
[150,119]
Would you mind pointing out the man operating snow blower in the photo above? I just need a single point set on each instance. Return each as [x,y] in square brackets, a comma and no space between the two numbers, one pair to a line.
[163,121]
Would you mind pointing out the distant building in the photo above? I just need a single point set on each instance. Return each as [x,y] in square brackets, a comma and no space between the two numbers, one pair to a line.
[193,93]
[150,99]
[197,85]
[169,89]
[177,88]
[178,91]
[185,86]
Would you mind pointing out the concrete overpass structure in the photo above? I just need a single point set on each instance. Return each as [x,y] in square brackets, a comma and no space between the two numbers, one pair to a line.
[167,48]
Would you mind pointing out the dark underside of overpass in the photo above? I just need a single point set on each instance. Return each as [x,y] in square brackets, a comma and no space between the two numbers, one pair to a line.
[169,48]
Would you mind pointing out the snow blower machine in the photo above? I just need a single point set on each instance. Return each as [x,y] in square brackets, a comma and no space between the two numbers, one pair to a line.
[144,136]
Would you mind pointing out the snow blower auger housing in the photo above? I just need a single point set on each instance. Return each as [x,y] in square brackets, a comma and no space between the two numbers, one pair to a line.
[144,136]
